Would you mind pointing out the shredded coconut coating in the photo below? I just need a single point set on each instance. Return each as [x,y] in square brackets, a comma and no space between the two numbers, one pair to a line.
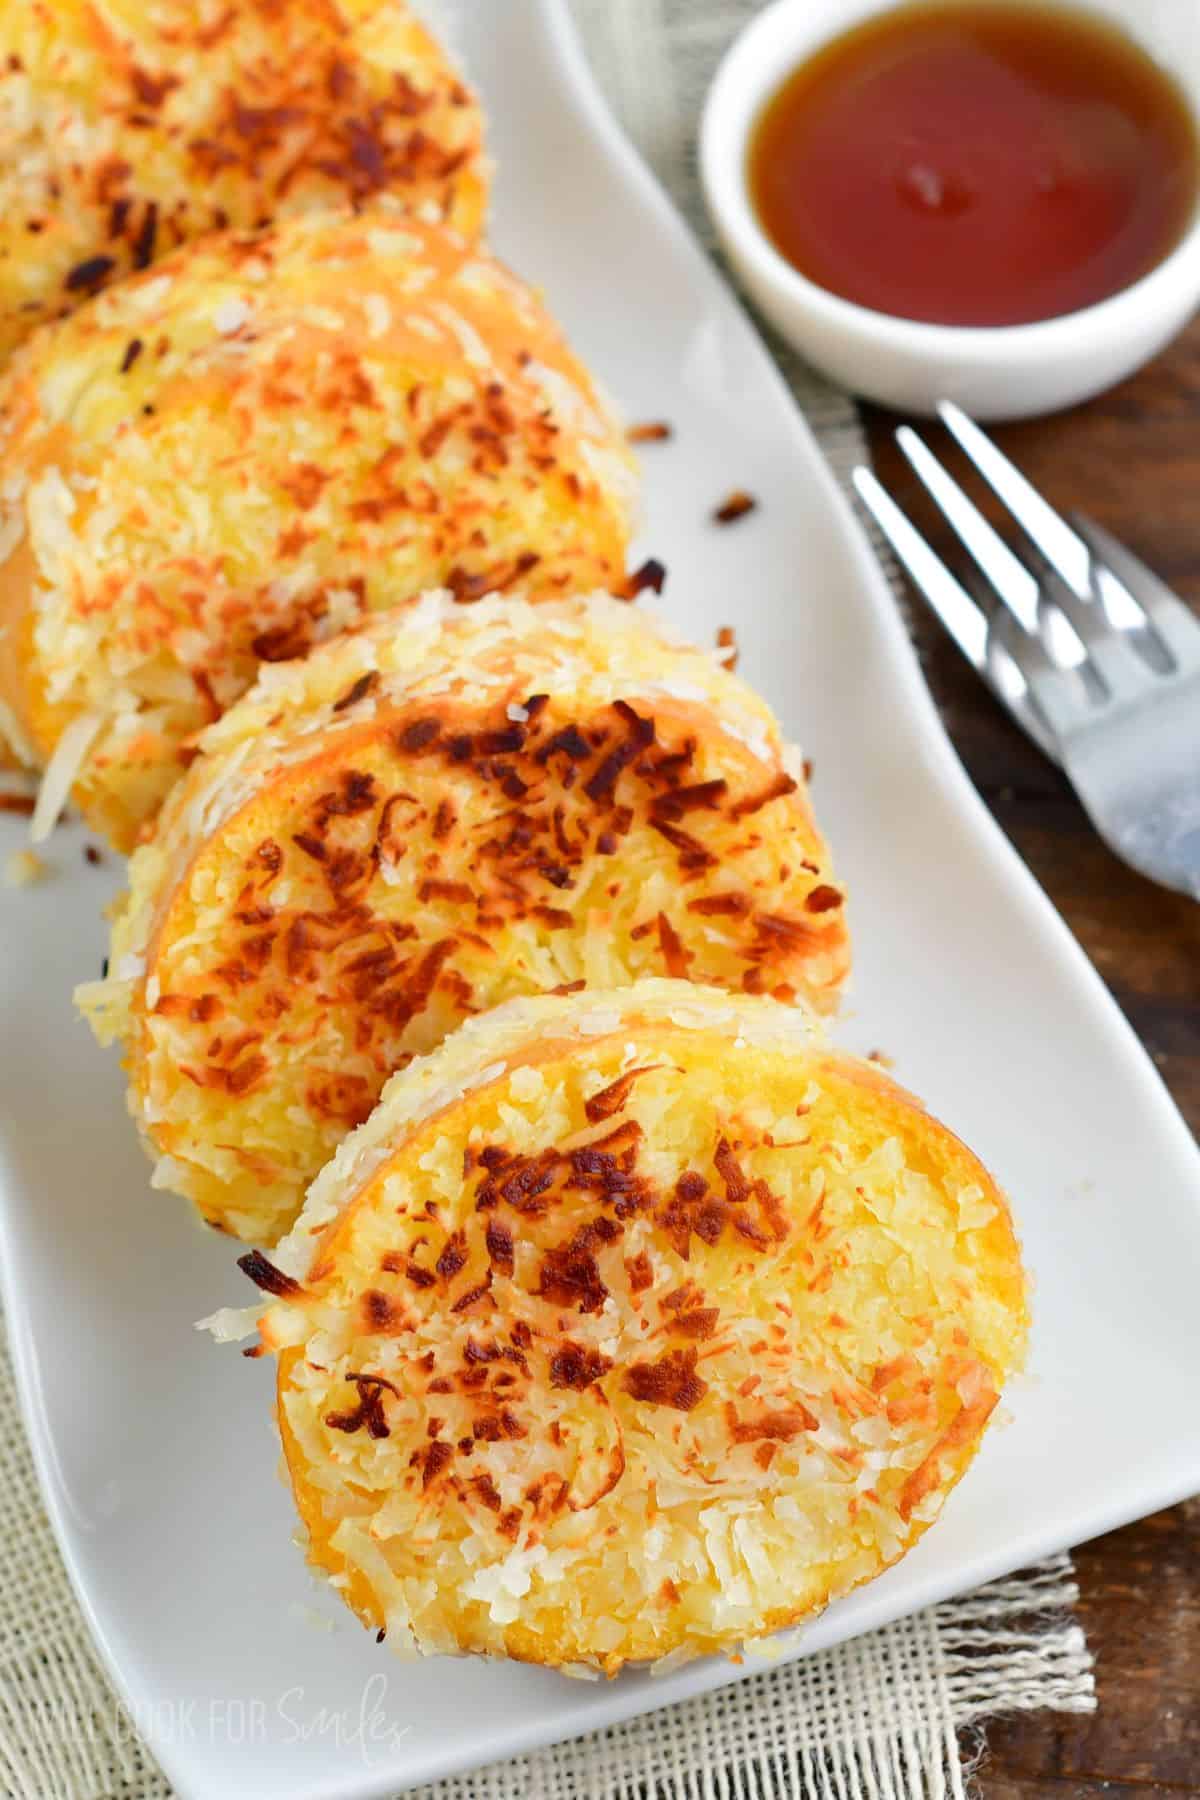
[445,808]
[128,127]
[634,1325]
[239,453]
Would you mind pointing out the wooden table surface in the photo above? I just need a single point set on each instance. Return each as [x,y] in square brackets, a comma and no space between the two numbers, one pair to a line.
[1132,460]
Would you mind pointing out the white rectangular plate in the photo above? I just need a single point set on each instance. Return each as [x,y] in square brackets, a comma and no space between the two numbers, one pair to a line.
[155,1449]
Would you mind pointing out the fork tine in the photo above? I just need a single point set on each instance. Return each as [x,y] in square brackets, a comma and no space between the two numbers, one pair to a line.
[1010,579]
[1012,662]
[1063,548]
[1076,624]
[958,612]
[1175,623]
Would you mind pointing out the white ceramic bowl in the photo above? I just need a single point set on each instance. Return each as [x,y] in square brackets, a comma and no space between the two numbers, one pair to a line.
[993,372]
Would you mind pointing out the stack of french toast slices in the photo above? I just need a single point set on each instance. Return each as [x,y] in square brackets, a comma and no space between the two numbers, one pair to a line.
[479,942]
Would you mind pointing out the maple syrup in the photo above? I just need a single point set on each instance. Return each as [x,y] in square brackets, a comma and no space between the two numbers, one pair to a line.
[982,163]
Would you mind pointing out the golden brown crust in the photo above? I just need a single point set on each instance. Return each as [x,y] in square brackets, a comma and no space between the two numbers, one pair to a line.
[18,701]
[635,1329]
[321,1552]
[392,853]
[952,1461]
[134,127]
[222,462]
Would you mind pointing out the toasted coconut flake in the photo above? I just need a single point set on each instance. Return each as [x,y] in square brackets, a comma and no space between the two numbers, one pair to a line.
[231,1324]
[22,868]
[735,506]
[62,771]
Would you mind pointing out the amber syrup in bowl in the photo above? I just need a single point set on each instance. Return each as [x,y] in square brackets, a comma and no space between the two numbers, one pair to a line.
[976,163]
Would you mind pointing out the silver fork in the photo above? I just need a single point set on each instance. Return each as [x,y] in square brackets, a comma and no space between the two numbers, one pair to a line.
[1093,655]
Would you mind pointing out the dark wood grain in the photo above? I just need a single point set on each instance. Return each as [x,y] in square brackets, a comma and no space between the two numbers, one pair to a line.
[1132,460]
